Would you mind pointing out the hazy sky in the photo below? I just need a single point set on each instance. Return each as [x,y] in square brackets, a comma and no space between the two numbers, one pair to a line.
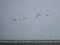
[13,24]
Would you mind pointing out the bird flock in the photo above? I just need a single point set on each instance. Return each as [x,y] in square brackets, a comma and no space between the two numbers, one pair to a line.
[38,15]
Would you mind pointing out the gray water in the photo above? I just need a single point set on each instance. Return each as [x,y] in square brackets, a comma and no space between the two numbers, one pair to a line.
[18,20]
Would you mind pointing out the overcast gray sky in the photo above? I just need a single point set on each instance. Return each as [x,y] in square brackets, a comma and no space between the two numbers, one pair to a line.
[13,24]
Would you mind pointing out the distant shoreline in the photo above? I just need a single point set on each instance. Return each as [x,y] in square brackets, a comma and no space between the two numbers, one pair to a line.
[20,41]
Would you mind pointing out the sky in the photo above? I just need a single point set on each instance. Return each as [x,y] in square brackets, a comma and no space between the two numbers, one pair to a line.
[18,20]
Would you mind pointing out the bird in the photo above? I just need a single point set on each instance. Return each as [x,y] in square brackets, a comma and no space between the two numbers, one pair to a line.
[47,14]
[19,19]
[13,19]
[37,15]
